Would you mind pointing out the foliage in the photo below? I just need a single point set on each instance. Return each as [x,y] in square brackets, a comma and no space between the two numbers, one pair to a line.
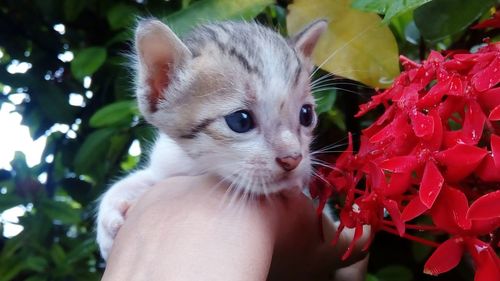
[87,144]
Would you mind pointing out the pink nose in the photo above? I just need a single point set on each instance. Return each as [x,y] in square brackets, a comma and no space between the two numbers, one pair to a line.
[289,163]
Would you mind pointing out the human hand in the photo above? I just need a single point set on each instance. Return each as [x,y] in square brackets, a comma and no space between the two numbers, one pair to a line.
[190,228]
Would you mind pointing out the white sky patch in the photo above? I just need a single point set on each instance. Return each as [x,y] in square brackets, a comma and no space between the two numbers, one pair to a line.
[49,158]
[16,137]
[18,98]
[89,94]
[60,28]
[10,220]
[66,56]
[6,89]
[1,54]
[76,100]
[42,178]
[135,148]
[58,127]
[87,81]
[18,67]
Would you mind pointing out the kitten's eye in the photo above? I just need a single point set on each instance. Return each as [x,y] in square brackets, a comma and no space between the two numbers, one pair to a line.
[240,121]
[306,115]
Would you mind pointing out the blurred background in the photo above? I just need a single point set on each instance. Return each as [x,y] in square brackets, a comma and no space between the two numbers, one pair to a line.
[69,124]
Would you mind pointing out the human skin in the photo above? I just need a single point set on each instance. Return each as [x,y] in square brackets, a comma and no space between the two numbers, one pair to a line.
[191,228]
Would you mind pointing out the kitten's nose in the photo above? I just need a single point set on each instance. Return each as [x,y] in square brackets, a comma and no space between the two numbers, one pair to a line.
[289,163]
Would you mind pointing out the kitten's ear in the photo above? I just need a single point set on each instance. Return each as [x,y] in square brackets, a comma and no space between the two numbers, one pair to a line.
[306,40]
[160,53]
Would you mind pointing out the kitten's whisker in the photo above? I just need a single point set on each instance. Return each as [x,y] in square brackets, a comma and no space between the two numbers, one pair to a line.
[336,88]
[314,173]
[322,164]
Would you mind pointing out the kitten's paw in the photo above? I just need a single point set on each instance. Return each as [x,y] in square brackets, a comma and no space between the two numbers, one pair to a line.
[109,222]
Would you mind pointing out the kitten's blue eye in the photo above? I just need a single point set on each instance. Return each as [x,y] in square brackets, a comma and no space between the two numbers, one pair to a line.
[306,115]
[240,121]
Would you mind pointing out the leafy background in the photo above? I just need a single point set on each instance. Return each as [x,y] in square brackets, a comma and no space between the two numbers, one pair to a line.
[88,142]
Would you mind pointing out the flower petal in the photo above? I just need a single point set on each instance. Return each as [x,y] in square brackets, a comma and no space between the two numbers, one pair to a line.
[414,209]
[398,184]
[392,207]
[431,184]
[400,164]
[488,77]
[472,128]
[495,151]
[495,114]
[423,125]
[485,207]
[487,171]
[486,261]
[489,99]
[450,210]
[445,257]
[460,160]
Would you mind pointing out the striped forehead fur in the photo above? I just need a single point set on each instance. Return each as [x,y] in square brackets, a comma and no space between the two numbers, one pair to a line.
[250,45]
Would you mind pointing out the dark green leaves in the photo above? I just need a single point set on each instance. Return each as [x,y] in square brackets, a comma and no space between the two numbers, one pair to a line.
[213,10]
[390,8]
[115,114]
[394,273]
[92,151]
[121,16]
[88,61]
[324,100]
[441,18]
[60,211]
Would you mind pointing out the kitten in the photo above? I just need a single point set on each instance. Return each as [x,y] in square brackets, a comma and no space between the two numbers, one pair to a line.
[232,99]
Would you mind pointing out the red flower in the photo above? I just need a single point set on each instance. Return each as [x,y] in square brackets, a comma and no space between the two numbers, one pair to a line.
[493,22]
[434,152]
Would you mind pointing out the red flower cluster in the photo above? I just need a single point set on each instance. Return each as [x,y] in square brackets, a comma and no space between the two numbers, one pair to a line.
[435,151]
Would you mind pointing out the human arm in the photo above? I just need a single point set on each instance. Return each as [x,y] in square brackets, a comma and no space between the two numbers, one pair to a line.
[183,229]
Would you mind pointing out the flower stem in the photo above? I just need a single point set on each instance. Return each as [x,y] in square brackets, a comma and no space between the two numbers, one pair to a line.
[411,237]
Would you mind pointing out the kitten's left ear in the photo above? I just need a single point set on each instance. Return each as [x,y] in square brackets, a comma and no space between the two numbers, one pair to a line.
[161,54]
[306,40]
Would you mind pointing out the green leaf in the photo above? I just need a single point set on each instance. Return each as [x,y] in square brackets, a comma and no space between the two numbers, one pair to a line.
[115,114]
[336,117]
[390,8]
[394,273]
[93,151]
[78,189]
[214,10]
[121,16]
[441,18]
[324,100]
[371,277]
[73,8]
[36,278]
[8,201]
[57,254]
[88,61]
[52,103]
[60,211]
[356,45]
[36,263]
[81,251]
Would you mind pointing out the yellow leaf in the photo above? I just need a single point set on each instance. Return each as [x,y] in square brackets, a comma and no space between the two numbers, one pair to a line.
[356,45]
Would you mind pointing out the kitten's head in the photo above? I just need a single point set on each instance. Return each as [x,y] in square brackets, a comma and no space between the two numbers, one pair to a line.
[235,96]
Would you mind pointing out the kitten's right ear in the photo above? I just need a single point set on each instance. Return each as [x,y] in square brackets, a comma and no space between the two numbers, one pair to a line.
[306,40]
[160,54]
